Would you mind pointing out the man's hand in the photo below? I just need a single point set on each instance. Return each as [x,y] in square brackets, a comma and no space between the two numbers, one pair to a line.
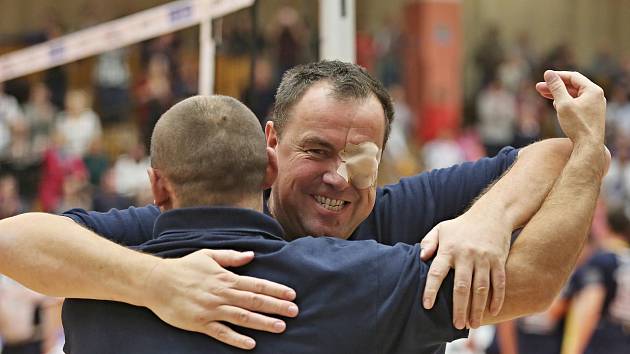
[580,104]
[470,245]
[195,293]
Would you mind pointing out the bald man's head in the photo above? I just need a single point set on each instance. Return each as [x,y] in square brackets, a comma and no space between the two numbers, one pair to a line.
[211,149]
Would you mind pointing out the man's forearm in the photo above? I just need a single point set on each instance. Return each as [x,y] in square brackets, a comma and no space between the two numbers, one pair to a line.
[517,196]
[55,256]
[543,256]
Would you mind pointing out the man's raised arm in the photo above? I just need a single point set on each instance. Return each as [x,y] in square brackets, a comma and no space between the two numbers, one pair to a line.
[55,256]
[477,243]
[545,252]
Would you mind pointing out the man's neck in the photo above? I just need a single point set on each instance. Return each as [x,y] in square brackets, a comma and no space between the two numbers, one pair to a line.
[255,203]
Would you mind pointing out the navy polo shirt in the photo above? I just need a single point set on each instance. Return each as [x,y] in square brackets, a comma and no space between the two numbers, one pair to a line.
[403,212]
[612,271]
[354,296]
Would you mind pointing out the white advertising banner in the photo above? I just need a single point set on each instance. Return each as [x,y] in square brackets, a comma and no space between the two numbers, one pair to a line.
[115,34]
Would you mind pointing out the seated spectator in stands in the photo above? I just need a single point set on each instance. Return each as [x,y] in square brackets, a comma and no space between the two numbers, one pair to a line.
[96,161]
[106,197]
[78,125]
[130,171]
[76,191]
[55,167]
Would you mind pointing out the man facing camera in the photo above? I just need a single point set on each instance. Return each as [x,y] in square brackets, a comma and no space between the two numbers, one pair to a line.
[209,167]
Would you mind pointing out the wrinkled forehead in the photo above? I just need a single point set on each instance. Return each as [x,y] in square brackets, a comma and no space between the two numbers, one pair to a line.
[341,120]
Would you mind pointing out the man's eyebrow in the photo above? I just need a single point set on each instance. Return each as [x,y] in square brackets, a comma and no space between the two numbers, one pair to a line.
[314,140]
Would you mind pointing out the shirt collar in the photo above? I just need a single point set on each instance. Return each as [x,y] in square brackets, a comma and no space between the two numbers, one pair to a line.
[217,217]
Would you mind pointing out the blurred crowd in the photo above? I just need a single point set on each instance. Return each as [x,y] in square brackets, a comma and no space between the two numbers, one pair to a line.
[64,147]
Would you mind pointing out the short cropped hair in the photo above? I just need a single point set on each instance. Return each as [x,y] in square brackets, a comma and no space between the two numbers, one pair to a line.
[348,81]
[212,150]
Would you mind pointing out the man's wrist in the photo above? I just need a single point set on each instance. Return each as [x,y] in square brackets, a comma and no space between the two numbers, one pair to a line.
[142,278]
[496,209]
[593,156]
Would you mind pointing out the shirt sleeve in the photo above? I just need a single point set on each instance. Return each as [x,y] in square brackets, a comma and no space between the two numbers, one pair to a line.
[128,227]
[401,281]
[406,211]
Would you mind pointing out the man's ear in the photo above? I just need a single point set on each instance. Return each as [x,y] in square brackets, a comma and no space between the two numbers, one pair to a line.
[160,189]
[272,169]
[271,135]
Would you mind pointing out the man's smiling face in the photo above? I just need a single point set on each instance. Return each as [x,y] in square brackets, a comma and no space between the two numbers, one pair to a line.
[309,197]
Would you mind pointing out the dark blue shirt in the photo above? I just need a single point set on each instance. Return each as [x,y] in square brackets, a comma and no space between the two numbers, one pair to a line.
[403,212]
[354,297]
[612,271]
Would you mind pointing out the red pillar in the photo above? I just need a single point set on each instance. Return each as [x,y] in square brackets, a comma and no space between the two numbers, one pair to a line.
[433,57]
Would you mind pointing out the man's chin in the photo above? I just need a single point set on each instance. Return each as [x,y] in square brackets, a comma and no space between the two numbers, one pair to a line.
[321,231]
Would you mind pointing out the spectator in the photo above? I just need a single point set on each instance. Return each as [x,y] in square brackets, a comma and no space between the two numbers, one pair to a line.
[601,310]
[40,114]
[111,79]
[23,326]
[130,171]
[444,151]
[106,197]
[291,37]
[56,78]
[76,192]
[529,111]
[497,116]
[10,202]
[78,125]
[10,114]
[616,186]
[55,167]
[489,55]
[618,111]
[388,42]
[513,71]
[260,94]
[154,94]
[96,162]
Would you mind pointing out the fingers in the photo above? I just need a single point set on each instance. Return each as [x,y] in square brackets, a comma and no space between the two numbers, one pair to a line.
[575,79]
[244,318]
[556,87]
[544,91]
[261,303]
[575,83]
[225,334]
[229,258]
[265,287]
[437,272]
[429,244]
[461,293]
[498,287]
[480,290]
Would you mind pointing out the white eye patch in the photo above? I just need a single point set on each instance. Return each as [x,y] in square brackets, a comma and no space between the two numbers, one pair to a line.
[359,164]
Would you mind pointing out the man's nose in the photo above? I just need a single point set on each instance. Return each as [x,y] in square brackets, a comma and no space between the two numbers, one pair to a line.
[334,179]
